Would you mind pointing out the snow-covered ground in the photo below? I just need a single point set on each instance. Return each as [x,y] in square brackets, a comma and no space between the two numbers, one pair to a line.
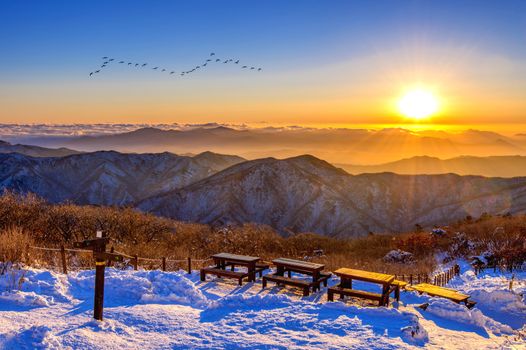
[172,310]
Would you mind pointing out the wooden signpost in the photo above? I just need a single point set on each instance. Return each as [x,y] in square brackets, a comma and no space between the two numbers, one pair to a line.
[98,245]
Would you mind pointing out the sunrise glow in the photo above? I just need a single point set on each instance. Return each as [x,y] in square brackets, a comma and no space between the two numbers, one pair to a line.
[418,104]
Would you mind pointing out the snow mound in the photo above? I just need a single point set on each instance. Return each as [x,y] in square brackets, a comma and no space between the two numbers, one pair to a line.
[128,287]
[460,313]
[35,287]
[26,298]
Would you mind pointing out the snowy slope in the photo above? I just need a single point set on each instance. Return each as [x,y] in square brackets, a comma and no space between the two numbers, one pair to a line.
[173,310]
[107,178]
[306,194]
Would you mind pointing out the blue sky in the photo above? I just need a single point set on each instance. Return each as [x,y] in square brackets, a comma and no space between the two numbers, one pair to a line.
[57,43]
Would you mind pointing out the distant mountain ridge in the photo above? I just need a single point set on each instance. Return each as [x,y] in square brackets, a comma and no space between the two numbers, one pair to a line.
[35,151]
[492,166]
[341,146]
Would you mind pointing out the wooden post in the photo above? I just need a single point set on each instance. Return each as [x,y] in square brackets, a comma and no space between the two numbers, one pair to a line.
[27,254]
[64,262]
[112,250]
[135,262]
[100,265]
[163,264]
[189,265]
[411,279]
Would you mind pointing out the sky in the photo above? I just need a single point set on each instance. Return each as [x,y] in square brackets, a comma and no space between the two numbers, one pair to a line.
[323,63]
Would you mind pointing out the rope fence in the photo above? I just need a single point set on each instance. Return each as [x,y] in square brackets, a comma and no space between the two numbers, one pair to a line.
[153,263]
[163,264]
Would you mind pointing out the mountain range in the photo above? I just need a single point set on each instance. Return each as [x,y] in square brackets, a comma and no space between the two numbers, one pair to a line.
[106,177]
[307,194]
[492,166]
[297,194]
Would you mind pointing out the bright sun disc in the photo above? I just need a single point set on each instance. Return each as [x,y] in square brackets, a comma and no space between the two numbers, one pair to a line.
[418,104]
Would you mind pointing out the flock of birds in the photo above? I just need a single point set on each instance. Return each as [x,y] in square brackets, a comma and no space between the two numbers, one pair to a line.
[212,58]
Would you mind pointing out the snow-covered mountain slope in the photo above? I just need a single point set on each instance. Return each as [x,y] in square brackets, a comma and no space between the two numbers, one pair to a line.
[307,194]
[173,310]
[35,151]
[107,178]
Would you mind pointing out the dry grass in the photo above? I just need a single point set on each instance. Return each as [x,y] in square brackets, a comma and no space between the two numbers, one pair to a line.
[29,220]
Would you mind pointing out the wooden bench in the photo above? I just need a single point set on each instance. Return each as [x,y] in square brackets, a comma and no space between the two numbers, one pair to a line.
[346,286]
[305,285]
[353,293]
[223,273]
[447,293]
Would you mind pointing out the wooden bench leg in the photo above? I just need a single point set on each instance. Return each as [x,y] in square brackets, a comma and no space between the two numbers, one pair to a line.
[203,275]
[325,283]
[264,283]
[289,274]
[397,293]
[330,295]
[240,281]
[306,291]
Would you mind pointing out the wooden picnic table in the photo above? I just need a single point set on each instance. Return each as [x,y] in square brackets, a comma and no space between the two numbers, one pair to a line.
[348,275]
[442,292]
[304,267]
[222,260]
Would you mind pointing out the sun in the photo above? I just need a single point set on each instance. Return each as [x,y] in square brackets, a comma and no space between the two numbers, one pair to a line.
[418,104]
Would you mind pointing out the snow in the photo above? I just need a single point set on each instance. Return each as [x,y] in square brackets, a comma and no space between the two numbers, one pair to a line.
[174,310]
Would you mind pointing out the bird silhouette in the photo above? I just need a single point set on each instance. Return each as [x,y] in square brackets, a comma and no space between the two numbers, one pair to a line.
[111,59]
[97,71]
[259,69]
[144,64]
[155,68]
[103,66]
[217,60]
[252,68]
[105,57]
[172,72]
[129,63]
[236,62]
[208,60]
[244,67]
[212,54]
[226,61]
[163,70]
[121,61]
[91,74]
[136,64]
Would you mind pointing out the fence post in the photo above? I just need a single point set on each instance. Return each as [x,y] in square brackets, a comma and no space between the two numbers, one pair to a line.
[163,264]
[135,262]
[27,254]
[411,279]
[64,262]
[109,261]
[189,265]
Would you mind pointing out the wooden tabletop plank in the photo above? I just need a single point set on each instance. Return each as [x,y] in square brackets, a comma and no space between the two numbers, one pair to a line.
[369,276]
[235,257]
[298,264]
[437,291]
